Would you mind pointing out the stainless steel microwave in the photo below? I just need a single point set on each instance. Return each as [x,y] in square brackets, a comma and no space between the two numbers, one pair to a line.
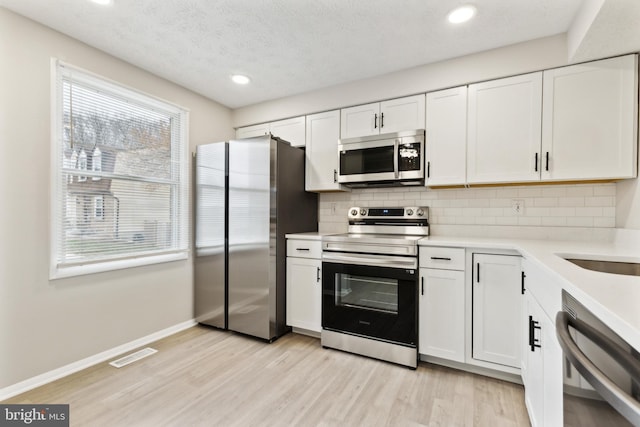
[388,159]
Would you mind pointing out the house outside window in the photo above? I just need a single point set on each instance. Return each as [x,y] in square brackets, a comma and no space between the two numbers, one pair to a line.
[134,209]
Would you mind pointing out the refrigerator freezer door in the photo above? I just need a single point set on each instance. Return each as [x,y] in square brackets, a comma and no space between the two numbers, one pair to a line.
[209,264]
[251,263]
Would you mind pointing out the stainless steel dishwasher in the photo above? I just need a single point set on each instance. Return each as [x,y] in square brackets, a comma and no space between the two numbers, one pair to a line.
[602,371]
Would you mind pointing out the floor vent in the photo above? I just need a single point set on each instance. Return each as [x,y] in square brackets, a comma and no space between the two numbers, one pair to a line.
[133,357]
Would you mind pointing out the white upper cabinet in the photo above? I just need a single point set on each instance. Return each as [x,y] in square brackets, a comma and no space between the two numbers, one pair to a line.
[323,132]
[446,137]
[394,115]
[590,117]
[291,130]
[251,131]
[362,120]
[504,130]
[397,115]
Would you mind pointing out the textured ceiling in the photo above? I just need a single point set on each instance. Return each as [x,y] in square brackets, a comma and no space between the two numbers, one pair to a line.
[291,46]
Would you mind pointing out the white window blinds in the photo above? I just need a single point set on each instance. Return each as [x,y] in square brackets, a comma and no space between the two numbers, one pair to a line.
[121,182]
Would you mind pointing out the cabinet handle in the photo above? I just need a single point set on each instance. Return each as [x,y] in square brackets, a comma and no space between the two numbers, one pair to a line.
[441,258]
[428,169]
[422,286]
[522,284]
[375,121]
[381,120]
[536,162]
[302,249]
[318,275]
[478,272]
[546,167]
[335,176]
[533,341]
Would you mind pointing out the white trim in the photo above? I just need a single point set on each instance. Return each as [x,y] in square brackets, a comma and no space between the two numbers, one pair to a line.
[61,272]
[55,190]
[47,377]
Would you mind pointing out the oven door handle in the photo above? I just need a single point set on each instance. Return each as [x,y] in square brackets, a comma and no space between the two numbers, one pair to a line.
[374,261]
[618,398]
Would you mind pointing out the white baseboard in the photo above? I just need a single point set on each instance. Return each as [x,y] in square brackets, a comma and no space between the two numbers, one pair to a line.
[47,377]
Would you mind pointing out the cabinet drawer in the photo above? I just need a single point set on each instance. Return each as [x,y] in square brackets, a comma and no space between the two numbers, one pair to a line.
[304,248]
[443,258]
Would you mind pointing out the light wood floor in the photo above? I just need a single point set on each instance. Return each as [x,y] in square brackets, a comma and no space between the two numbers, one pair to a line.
[206,377]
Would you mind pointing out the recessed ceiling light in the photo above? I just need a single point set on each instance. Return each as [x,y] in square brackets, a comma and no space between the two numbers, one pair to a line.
[461,14]
[240,79]
[102,2]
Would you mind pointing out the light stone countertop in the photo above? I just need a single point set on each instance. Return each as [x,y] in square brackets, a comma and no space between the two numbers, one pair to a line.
[312,235]
[613,298]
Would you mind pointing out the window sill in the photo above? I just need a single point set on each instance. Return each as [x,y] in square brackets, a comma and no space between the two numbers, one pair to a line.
[80,270]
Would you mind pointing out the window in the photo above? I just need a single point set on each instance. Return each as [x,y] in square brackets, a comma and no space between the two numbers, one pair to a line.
[98,207]
[96,162]
[133,209]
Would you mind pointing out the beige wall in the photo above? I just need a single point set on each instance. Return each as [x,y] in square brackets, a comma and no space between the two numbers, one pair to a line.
[47,324]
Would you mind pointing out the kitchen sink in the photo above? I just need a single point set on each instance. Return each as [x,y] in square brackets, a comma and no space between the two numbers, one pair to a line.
[613,267]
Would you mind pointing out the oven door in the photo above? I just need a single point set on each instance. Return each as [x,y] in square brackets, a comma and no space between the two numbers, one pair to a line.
[371,296]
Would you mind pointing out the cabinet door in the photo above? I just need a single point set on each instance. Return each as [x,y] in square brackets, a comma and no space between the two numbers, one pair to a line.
[496,309]
[446,137]
[543,381]
[504,130]
[397,115]
[590,120]
[323,132]
[553,364]
[304,293]
[534,378]
[291,130]
[251,131]
[442,314]
[362,120]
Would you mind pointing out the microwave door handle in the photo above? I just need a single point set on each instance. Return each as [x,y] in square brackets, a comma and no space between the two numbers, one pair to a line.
[618,398]
[395,158]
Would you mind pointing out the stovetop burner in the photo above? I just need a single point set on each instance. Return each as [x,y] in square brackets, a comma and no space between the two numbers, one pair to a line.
[381,231]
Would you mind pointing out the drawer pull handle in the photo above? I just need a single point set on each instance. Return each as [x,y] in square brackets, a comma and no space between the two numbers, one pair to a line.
[302,249]
[441,258]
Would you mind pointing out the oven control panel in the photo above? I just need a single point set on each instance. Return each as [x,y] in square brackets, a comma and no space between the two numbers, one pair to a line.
[412,212]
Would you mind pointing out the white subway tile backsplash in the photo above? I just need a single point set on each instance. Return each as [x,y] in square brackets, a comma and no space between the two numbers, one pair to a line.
[600,201]
[580,205]
[571,201]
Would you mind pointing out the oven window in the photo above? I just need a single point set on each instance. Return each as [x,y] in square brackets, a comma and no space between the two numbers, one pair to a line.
[409,157]
[368,160]
[370,293]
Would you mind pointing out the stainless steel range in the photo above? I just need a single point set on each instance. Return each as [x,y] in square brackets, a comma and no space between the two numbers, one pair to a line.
[370,284]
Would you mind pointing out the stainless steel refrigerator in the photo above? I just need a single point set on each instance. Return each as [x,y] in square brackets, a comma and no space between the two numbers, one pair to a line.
[249,193]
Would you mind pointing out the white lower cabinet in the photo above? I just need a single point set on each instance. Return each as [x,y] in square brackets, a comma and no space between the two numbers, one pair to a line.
[496,309]
[304,285]
[441,320]
[442,317]
[541,353]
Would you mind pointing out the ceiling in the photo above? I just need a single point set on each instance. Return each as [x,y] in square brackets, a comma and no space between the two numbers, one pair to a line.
[291,46]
